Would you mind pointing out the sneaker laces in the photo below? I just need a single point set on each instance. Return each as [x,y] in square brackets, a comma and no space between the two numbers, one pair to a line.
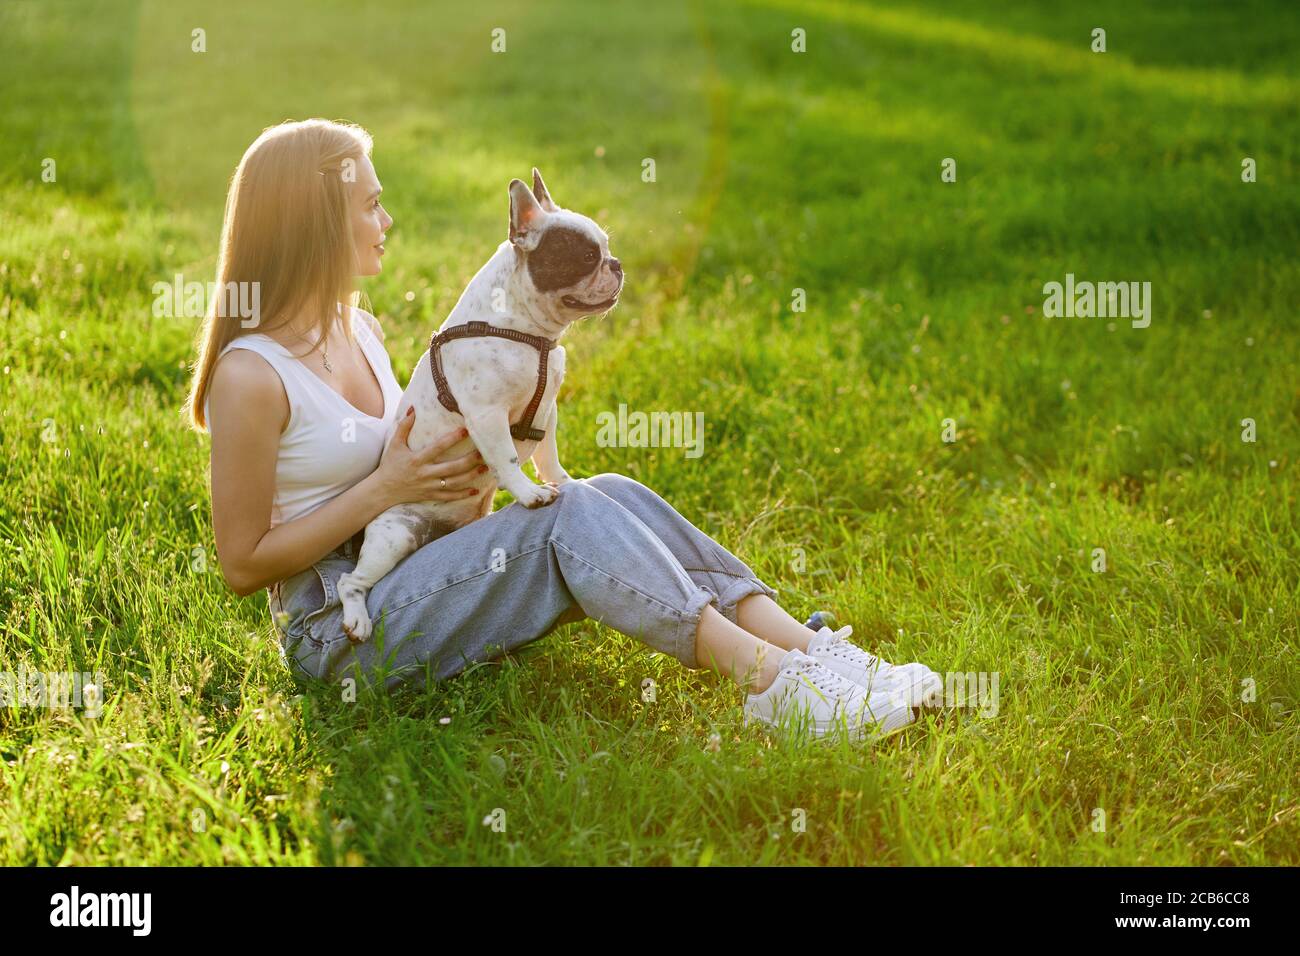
[840,646]
[825,680]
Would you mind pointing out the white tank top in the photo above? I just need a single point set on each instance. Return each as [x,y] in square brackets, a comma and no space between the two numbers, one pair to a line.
[329,445]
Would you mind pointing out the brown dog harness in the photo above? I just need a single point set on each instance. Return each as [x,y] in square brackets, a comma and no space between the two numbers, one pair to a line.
[521,430]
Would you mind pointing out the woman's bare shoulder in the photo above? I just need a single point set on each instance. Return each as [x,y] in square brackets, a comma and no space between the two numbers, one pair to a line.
[246,384]
[371,322]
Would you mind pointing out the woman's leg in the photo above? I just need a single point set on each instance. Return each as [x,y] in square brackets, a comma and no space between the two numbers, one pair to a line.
[734,652]
[510,578]
[764,618]
[711,565]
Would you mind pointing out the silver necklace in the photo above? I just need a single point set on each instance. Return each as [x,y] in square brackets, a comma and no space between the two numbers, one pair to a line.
[324,354]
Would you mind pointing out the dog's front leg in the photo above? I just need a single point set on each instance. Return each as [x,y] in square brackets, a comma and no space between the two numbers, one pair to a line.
[489,427]
[390,537]
[546,456]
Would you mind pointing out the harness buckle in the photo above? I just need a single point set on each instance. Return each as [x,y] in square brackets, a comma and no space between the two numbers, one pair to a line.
[521,433]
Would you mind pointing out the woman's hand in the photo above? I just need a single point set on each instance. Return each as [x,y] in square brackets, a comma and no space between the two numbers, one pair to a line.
[408,475]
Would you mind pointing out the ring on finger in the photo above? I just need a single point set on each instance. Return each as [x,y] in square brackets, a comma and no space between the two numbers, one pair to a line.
[443,485]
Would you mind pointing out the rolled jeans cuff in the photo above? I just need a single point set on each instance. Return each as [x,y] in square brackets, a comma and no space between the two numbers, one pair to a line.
[689,624]
[737,591]
[732,595]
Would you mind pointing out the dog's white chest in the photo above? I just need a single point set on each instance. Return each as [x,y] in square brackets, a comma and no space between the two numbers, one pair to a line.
[501,373]
[482,373]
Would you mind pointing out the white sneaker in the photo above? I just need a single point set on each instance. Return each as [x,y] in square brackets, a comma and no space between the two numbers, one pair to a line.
[812,696]
[920,686]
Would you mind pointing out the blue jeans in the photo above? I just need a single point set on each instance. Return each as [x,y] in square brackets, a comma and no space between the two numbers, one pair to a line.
[608,548]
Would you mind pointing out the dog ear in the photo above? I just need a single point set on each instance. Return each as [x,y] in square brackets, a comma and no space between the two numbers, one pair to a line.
[526,216]
[539,191]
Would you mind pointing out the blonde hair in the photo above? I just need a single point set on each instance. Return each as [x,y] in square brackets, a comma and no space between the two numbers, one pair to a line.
[287,227]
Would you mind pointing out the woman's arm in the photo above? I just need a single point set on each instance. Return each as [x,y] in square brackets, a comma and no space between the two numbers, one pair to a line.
[249,410]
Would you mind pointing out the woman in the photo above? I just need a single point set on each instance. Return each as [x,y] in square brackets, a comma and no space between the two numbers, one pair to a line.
[298,408]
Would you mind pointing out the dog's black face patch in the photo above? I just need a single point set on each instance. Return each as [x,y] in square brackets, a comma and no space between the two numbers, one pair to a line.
[563,258]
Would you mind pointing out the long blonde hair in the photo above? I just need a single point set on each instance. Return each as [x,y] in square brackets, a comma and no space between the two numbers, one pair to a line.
[287,227]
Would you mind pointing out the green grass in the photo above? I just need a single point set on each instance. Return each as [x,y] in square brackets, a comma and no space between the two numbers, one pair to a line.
[1121,691]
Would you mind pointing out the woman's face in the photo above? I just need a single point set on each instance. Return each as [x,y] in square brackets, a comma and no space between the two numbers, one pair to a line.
[369,219]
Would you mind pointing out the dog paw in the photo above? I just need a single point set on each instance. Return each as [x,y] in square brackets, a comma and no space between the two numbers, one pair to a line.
[356,624]
[538,496]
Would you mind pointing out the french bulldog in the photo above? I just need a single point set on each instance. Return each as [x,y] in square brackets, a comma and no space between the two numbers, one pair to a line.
[553,269]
